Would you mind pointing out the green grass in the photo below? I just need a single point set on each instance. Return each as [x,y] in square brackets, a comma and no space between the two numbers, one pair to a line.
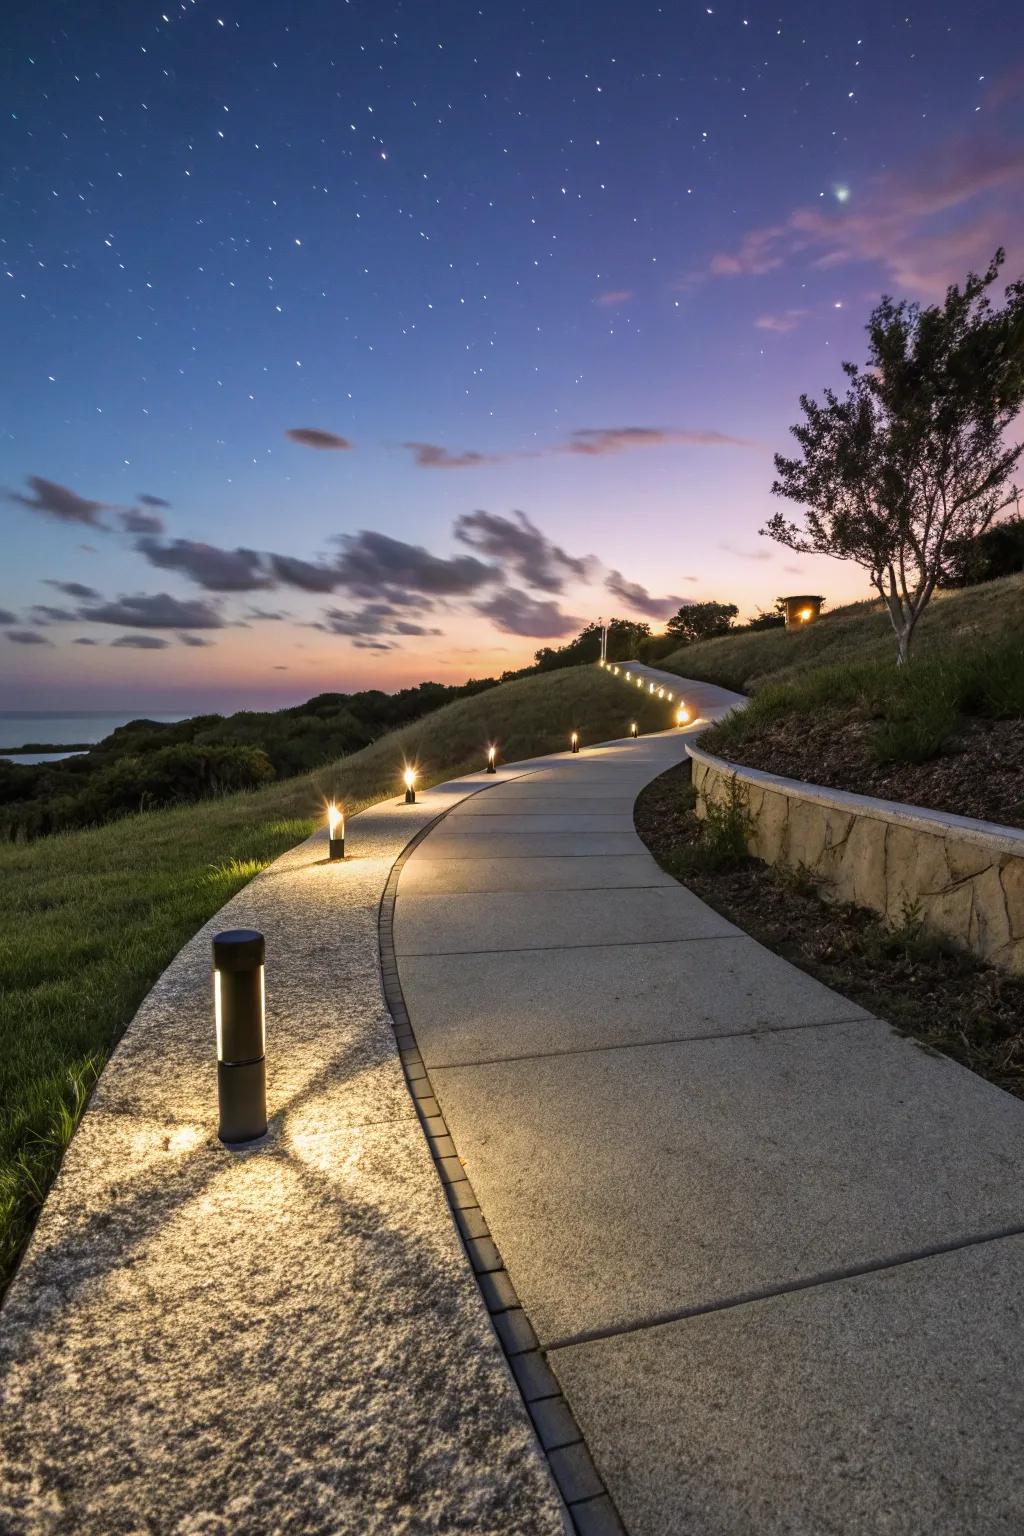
[749,660]
[913,711]
[92,917]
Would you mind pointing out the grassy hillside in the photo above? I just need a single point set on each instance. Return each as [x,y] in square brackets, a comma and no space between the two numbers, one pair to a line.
[92,917]
[861,632]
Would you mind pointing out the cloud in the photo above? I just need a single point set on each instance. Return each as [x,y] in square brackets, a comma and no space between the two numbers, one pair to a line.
[194,640]
[640,600]
[151,501]
[372,619]
[372,564]
[71,588]
[136,520]
[159,611]
[516,613]
[304,574]
[372,645]
[27,637]
[84,640]
[279,667]
[216,570]
[7,617]
[48,615]
[614,298]
[141,642]
[748,554]
[313,437]
[924,224]
[788,320]
[268,614]
[597,440]
[431,456]
[58,501]
[518,542]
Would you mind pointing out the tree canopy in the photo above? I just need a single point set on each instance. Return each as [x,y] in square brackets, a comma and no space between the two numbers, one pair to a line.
[914,457]
[700,621]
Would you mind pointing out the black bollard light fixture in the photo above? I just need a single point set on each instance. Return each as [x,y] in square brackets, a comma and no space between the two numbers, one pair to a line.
[409,779]
[335,831]
[633,731]
[239,1019]
[491,754]
[574,742]
[682,715]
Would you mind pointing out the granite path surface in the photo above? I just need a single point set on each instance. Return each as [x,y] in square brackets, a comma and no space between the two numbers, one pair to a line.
[768,1253]
[284,1339]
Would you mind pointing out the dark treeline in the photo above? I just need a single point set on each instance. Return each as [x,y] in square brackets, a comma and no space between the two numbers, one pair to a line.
[148,764]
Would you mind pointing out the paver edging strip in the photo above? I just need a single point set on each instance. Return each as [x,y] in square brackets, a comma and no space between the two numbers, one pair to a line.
[580,1485]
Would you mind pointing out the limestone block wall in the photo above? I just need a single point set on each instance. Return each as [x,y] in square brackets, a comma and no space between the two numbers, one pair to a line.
[964,877]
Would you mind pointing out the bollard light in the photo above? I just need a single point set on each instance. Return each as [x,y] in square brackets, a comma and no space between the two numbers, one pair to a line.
[409,779]
[335,831]
[239,1020]
[632,730]
[491,751]
[574,741]
[682,715]
[629,677]
[652,688]
[661,693]
[670,696]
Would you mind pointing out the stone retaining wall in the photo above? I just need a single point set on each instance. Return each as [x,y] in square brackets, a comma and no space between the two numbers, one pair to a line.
[964,878]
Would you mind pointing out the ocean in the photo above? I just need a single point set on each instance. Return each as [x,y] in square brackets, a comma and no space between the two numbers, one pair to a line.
[18,726]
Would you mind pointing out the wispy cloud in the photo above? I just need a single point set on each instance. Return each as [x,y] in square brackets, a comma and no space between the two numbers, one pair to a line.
[156,611]
[315,437]
[27,637]
[433,456]
[516,613]
[787,320]
[923,224]
[518,542]
[141,643]
[598,440]
[58,501]
[216,570]
[71,588]
[614,298]
[140,520]
[640,600]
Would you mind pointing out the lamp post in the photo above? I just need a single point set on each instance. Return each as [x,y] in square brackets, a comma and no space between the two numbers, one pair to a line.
[335,831]
[491,752]
[574,742]
[409,779]
[240,1024]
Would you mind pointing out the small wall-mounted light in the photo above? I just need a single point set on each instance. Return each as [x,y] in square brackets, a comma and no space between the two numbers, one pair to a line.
[335,831]
[629,677]
[682,715]
[239,1015]
[491,754]
[632,730]
[409,780]
[802,608]
[574,742]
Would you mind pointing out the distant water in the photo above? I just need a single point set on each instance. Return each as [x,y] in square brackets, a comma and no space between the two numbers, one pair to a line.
[20,725]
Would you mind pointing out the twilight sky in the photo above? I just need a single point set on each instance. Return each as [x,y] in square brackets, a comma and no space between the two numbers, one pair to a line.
[349,344]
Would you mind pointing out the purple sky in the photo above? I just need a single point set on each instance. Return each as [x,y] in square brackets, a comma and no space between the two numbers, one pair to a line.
[352,344]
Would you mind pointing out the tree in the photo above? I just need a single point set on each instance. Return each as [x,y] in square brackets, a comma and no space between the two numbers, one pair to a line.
[699,621]
[999,551]
[914,456]
[624,635]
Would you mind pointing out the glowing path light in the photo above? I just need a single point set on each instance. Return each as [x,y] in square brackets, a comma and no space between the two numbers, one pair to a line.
[632,730]
[335,831]
[491,753]
[574,742]
[409,779]
[682,715]
[239,1016]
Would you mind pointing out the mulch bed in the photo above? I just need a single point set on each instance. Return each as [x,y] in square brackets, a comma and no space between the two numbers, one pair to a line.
[941,996]
[979,774]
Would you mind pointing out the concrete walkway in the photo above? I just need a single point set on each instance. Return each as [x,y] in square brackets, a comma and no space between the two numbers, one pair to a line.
[287,1339]
[772,1251]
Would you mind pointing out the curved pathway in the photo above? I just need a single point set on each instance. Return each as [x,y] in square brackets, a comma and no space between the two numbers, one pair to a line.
[771,1252]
